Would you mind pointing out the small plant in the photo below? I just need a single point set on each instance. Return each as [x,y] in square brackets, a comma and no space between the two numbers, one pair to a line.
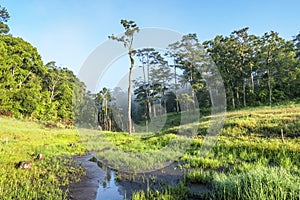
[179,192]
[200,176]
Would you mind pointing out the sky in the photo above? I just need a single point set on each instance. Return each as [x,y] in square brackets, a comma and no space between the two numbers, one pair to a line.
[68,31]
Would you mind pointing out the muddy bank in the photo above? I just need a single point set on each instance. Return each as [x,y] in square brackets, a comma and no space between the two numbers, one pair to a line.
[87,187]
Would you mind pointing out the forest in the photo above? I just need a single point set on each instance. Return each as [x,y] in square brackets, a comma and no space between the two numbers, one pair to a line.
[256,70]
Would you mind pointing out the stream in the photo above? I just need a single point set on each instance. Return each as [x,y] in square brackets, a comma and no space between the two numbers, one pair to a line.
[109,188]
[100,182]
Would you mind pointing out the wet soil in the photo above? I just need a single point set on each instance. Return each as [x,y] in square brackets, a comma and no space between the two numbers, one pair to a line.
[86,188]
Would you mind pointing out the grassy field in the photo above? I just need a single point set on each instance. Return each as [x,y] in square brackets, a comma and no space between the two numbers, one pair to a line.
[257,156]
[251,159]
[22,141]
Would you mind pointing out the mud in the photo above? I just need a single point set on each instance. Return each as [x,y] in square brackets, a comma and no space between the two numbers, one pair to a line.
[87,187]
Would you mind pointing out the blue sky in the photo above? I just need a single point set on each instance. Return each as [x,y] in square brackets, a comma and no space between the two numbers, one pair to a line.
[67,31]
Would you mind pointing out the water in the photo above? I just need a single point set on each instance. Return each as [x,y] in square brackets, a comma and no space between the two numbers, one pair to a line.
[109,189]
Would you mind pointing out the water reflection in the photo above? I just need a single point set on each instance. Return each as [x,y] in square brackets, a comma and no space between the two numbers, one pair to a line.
[109,189]
[112,189]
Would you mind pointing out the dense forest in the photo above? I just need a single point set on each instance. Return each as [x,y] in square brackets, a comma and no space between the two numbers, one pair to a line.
[256,70]
[30,88]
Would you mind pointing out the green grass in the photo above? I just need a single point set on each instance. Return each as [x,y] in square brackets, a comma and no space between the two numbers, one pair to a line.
[249,161]
[135,153]
[250,142]
[269,183]
[179,192]
[200,176]
[22,141]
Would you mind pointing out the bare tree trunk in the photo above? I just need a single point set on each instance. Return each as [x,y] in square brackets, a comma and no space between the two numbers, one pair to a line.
[160,108]
[21,82]
[193,92]
[147,91]
[52,87]
[237,95]
[269,78]
[269,87]
[252,80]
[211,97]
[165,106]
[233,100]
[176,93]
[129,93]
[244,92]
[154,110]
[130,28]
[149,107]
[165,100]
[110,124]
[52,93]
[187,106]
[105,104]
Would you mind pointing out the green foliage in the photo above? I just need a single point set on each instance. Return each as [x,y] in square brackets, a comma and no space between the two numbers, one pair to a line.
[255,70]
[31,90]
[4,17]
[296,41]
[20,80]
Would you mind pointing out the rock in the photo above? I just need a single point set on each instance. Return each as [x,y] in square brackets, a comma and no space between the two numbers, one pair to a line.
[24,165]
[40,156]
[73,145]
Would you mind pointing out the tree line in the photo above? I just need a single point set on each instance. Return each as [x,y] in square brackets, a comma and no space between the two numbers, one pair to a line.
[256,70]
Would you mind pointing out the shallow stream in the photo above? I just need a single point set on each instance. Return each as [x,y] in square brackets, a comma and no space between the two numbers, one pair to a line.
[109,189]
[100,182]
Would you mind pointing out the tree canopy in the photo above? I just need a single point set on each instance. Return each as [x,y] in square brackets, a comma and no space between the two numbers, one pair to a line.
[4,17]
